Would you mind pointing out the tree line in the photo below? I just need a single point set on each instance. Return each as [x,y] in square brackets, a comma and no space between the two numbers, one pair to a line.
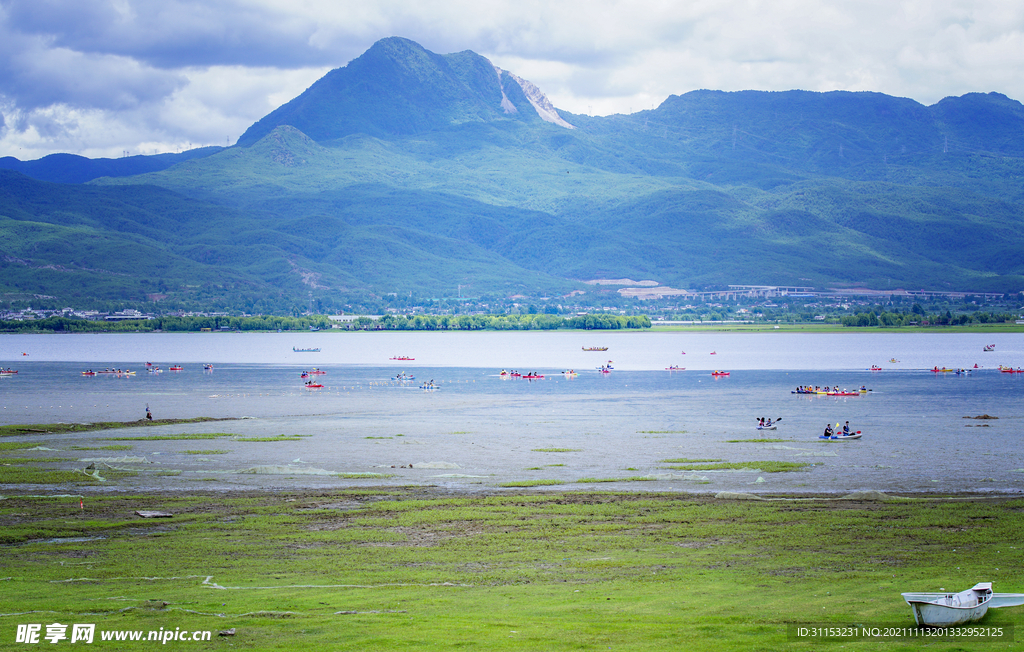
[272,323]
[898,320]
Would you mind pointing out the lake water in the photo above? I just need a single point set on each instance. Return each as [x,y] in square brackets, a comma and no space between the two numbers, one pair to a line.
[480,430]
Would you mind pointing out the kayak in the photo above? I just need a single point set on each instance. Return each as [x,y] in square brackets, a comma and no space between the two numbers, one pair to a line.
[720,373]
[852,435]
[767,427]
[313,385]
[843,393]
[675,368]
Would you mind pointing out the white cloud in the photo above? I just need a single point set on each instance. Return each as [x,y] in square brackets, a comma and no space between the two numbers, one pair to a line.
[108,75]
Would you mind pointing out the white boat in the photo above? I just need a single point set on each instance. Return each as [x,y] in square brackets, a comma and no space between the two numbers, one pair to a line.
[853,435]
[947,609]
[771,427]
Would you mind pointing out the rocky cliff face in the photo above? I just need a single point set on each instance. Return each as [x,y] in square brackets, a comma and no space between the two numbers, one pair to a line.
[540,102]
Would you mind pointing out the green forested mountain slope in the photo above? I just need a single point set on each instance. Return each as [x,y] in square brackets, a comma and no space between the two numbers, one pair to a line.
[407,171]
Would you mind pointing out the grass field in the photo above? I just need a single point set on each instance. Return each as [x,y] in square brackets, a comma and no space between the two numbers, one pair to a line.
[424,569]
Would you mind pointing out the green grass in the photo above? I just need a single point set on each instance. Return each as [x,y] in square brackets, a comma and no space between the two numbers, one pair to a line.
[364,476]
[556,450]
[634,478]
[28,475]
[14,446]
[208,451]
[754,441]
[196,435]
[531,483]
[408,569]
[32,460]
[276,438]
[766,466]
[60,428]
[112,447]
[683,460]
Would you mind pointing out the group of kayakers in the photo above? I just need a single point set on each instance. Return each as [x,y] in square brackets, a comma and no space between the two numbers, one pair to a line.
[808,389]
[519,374]
[765,423]
[115,372]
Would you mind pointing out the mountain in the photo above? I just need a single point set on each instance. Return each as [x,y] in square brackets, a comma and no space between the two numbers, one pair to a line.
[408,171]
[397,88]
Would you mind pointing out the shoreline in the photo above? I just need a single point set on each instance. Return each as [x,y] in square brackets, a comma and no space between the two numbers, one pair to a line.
[705,327]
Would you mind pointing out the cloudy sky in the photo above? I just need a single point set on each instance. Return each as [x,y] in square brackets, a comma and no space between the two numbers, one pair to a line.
[104,77]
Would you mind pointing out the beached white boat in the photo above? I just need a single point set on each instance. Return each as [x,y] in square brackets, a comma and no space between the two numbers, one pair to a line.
[948,609]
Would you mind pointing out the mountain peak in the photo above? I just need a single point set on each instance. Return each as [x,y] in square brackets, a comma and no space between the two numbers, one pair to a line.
[399,88]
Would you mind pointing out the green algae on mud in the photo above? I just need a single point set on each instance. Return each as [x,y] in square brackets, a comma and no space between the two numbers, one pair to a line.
[59,428]
[424,569]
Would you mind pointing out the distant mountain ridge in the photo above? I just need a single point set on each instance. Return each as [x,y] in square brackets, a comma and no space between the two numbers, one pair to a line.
[409,171]
[71,168]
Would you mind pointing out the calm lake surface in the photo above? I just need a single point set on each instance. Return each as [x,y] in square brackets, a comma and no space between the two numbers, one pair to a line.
[480,430]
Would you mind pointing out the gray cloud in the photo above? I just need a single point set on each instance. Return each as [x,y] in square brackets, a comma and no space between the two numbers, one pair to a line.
[173,33]
[85,73]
